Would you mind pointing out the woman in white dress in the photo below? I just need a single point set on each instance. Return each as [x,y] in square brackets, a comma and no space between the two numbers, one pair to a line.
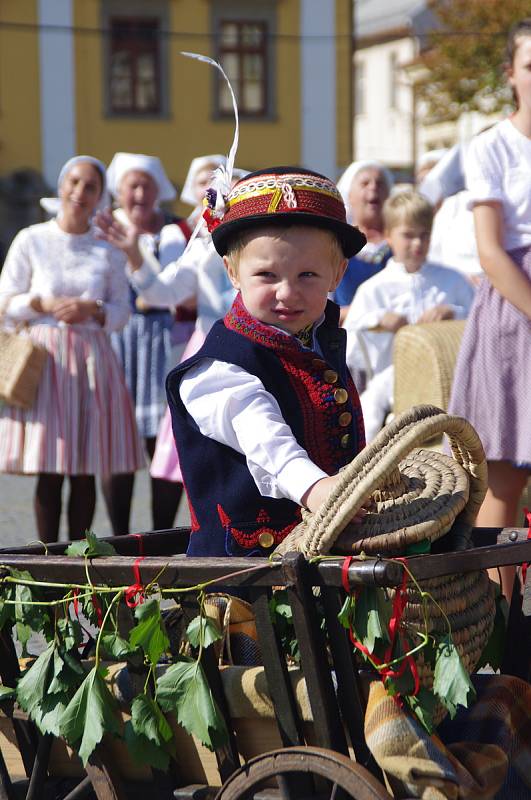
[200,276]
[70,290]
[139,184]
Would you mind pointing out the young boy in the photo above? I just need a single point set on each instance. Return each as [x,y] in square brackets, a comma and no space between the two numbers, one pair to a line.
[408,290]
[266,413]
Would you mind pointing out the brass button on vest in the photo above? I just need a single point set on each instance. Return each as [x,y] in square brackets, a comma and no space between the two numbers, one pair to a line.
[340,396]
[266,540]
[318,363]
[330,376]
[345,441]
[345,419]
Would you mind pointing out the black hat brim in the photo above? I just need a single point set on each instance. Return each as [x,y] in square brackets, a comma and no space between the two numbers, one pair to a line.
[351,238]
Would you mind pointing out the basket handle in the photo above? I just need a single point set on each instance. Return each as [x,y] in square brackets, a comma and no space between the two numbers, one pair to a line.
[373,467]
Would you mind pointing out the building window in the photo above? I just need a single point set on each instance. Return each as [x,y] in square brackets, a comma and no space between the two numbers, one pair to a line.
[135,56]
[243,54]
[134,69]
[359,96]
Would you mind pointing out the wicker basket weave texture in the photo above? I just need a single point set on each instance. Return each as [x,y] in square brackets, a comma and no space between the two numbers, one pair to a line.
[424,357]
[416,494]
[21,365]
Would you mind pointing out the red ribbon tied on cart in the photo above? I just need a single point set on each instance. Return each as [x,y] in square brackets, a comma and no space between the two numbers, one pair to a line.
[135,594]
[527,515]
[399,604]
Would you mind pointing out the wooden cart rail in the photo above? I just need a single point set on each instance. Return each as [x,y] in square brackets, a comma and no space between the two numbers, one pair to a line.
[493,547]
[334,686]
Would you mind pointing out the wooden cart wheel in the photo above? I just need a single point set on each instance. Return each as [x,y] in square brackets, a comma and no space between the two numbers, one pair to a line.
[302,773]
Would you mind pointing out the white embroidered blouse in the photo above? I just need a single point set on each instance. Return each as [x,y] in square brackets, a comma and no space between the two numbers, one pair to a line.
[45,261]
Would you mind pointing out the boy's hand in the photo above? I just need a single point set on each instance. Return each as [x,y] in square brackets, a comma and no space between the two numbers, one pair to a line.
[436,314]
[392,322]
[320,491]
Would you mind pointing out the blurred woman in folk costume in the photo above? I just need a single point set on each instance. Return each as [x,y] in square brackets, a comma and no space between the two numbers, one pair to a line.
[198,275]
[139,184]
[492,381]
[70,289]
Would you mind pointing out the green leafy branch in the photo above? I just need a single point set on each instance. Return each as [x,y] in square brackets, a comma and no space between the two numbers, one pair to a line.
[368,617]
[69,697]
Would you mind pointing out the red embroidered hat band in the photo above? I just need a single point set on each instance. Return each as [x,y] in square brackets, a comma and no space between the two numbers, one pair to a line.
[285,196]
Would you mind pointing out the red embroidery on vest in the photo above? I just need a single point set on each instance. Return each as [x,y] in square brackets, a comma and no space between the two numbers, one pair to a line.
[194,522]
[223,518]
[320,412]
[249,540]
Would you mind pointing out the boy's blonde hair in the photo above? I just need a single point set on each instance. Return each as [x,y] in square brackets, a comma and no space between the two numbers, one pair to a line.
[407,207]
[239,240]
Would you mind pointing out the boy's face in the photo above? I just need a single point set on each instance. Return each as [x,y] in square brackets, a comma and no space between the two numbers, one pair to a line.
[410,243]
[285,275]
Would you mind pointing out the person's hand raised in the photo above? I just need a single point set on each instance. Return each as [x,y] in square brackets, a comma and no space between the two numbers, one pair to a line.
[124,237]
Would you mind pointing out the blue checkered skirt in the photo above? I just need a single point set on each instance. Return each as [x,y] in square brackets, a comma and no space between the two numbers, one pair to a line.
[144,349]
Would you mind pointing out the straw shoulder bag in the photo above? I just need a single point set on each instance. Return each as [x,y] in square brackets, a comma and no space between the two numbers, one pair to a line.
[21,365]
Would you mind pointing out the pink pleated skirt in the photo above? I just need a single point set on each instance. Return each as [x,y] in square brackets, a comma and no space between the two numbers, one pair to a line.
[165,462]
[82,421]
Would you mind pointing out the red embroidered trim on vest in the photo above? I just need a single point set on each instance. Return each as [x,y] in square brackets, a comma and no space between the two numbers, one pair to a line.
[238,319]
[251,539]
[194,523]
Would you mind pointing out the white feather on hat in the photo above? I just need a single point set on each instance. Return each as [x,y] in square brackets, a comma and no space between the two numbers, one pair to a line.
[196,165]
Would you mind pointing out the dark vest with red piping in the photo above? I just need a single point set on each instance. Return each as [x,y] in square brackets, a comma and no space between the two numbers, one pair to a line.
[319,402]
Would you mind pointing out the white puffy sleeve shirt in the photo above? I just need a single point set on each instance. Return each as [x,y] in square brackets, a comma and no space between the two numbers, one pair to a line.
[44,261]
[200,273]
[409,294]
[498,168]
[234,408]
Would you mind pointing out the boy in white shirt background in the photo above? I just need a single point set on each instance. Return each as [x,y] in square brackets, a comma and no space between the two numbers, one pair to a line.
[407,291]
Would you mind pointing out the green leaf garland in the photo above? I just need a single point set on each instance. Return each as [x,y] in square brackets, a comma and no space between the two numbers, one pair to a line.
[90,714]
[451,681]
[184,690]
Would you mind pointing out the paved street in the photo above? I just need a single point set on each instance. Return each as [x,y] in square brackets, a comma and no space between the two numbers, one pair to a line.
[17,524]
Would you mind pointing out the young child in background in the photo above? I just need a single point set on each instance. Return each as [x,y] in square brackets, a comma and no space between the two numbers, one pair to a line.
[266,413]
[408,290]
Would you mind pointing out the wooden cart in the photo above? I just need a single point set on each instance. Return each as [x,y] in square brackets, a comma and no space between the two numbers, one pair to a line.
[309,743]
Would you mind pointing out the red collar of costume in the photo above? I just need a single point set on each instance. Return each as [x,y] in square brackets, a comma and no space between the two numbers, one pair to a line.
[238,319]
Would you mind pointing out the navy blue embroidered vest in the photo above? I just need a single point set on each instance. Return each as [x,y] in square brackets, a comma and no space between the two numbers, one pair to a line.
[319,402]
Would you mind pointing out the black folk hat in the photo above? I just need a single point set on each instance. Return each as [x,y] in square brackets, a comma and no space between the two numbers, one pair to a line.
[283,196]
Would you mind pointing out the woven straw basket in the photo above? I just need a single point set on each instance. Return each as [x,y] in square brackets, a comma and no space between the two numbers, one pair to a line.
[21,365]
[432,347]
[414,495]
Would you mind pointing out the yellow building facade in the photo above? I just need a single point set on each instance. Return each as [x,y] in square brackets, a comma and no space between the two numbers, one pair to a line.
[100,76]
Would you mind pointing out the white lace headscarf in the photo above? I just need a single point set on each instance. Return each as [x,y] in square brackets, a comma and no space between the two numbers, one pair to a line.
[122,163]
[345,181]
